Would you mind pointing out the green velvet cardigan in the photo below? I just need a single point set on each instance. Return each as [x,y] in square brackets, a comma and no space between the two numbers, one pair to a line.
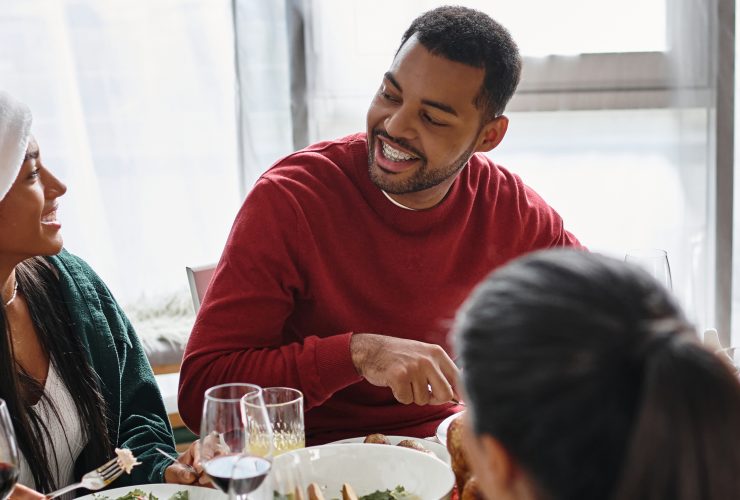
[136,415]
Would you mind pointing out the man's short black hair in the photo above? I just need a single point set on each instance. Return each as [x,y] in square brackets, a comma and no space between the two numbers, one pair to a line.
[471,37]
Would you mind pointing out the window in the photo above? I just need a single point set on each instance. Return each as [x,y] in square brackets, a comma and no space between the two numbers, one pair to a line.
[612,122]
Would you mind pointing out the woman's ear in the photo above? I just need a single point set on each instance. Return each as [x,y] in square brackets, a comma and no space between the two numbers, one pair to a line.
[499,475]
[498,461]
[492,134]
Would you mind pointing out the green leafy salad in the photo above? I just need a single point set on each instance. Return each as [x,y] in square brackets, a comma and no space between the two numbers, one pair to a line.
[397,493]
[138,494]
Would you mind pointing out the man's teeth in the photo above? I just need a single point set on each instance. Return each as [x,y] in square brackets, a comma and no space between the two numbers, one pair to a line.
[395,155]
[50,217]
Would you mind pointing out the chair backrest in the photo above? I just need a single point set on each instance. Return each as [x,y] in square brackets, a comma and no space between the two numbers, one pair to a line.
[199,278]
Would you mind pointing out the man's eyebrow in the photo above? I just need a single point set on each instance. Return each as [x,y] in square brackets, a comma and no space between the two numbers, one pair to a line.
[31,155]
[435,104]
[440,105]
[389,76]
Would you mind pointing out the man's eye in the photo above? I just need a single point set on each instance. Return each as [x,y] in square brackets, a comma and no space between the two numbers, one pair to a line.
[389,97]
[431,120]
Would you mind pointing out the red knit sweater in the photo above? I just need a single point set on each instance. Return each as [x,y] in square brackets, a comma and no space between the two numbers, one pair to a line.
[317,252]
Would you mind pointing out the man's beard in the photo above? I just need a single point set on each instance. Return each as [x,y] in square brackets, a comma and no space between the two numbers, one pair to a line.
[422,178]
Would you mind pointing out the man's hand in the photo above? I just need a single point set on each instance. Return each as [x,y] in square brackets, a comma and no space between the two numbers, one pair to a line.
[416,372]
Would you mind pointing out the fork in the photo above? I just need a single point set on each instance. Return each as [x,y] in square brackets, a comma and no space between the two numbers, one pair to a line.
[95,479]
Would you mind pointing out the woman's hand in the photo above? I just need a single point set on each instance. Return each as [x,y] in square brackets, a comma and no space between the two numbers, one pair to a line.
[21,492]
[187,469]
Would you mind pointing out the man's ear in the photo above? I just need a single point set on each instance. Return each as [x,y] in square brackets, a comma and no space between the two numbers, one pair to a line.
[492,134]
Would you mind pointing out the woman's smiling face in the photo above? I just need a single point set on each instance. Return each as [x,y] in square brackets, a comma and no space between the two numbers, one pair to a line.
[28,222]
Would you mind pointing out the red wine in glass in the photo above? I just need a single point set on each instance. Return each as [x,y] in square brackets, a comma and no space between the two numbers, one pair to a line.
[8,478]
[242,473]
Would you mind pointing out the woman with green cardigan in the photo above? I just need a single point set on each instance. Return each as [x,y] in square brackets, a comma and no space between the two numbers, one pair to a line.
[72,370]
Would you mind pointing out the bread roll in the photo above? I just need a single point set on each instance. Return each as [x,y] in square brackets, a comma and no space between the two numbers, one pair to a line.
[377,439]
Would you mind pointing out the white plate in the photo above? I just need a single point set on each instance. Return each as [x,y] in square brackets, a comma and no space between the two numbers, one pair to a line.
[162,491]
[432,446]
[443,426]
[366,467]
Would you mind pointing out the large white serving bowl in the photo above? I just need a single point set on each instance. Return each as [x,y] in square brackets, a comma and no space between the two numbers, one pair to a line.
[367,468]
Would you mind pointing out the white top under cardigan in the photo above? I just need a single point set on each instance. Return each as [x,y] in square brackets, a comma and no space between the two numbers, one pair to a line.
[67,436]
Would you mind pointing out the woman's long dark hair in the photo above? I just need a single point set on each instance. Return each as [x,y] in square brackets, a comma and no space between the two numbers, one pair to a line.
[40,287]
[586,371]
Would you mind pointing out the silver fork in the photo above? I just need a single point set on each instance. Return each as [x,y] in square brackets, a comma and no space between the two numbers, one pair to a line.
[95,479]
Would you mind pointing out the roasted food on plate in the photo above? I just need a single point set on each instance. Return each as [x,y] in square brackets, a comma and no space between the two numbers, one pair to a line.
[471,491]
[377,439]
[414,445]
[460,467]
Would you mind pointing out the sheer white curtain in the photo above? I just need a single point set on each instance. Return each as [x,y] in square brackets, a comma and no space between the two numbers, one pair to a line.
[265,39]
[134,108]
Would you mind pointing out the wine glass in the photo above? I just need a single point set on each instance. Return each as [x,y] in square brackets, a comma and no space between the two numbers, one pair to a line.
[225,451]
[284,407]
[655,262]
[8,453]
[252,467]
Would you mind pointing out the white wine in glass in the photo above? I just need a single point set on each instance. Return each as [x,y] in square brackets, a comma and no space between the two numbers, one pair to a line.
[285,410]
[655,262]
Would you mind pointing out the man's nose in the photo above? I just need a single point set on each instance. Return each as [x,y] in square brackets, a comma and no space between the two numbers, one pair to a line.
[401,123]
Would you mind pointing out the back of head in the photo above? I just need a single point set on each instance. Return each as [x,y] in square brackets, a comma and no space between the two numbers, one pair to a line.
[471,37]
[586,371]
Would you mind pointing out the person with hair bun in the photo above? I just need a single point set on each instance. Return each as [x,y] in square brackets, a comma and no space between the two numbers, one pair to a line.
[584,380]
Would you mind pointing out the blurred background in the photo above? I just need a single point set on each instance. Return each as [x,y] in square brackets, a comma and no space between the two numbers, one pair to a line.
[161,114]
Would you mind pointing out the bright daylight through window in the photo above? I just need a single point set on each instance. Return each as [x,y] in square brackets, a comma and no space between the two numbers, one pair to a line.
[612,124]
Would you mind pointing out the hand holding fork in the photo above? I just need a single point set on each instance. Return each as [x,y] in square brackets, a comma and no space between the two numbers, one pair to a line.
[95,479]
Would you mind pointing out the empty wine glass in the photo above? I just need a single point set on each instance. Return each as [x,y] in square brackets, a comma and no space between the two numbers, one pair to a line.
[225,450]
[8,453]
[655,262]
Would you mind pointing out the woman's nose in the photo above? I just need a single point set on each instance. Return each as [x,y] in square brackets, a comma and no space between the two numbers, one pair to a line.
[53,186]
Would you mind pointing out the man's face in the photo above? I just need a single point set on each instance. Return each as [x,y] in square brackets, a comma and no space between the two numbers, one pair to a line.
[423,125]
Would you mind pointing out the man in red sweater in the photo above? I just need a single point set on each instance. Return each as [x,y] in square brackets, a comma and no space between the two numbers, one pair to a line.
[348,259]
